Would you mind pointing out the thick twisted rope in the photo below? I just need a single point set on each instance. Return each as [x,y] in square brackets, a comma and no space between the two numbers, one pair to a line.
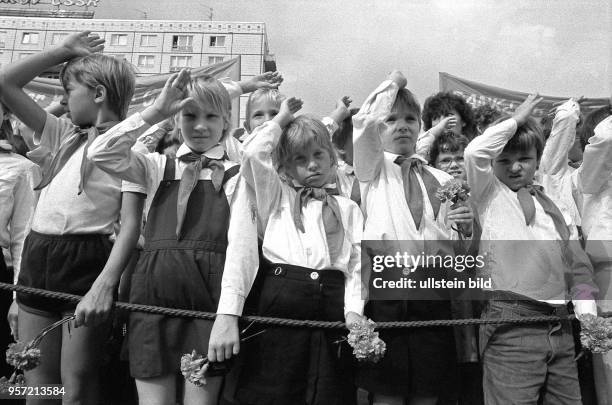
[185,313]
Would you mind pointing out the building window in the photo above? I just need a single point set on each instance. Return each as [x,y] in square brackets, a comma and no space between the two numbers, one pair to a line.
[119,39]
[215,59]
[146,61]
[217,41]
[29,38]
[148,40]
[182,43]
[119,56]
[58,37]
[2,39]
[179,62]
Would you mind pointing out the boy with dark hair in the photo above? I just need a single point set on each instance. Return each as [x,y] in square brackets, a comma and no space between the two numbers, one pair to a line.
[517,217]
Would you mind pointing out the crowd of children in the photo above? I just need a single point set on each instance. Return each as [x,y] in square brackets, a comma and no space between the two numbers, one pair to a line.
[270,220]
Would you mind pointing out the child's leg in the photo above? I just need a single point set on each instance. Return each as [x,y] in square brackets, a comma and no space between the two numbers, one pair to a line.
[602,370]
[156,390]
[48,371]
[205,395]
[82,352]
[514,356]
[562,387]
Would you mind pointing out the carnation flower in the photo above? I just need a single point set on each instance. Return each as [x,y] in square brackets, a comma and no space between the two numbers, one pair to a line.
[193,367]
[25,357]
[22,356]
[596,333]
[5,384]
[366,344]
[453,191]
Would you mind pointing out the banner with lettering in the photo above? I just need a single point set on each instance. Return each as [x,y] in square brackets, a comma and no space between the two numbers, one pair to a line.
[477,94]
[45,91]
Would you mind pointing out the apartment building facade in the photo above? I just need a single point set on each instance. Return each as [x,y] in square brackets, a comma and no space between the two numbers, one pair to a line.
[152,46]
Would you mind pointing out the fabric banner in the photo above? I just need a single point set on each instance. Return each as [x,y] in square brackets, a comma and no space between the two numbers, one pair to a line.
[477,94]
[45,91]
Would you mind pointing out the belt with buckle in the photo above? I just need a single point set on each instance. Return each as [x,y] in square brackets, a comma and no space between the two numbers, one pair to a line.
[302,273]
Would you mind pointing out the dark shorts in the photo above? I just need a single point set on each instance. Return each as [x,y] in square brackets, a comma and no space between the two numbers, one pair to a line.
[64,263]
[418,361]
[288,365]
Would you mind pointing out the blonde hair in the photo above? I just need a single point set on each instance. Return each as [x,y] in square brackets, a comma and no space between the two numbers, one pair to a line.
[208,92]
[261,94]
[116,75]
[299,134]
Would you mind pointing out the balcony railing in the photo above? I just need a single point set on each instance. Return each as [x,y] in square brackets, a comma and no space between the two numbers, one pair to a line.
[183,48]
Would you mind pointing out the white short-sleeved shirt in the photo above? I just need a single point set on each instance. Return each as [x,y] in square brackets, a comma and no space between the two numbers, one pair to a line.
[61,210]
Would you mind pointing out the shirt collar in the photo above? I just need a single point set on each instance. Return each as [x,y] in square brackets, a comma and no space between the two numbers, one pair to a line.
[216,152]
[348,169]
[295,183]
[393,156]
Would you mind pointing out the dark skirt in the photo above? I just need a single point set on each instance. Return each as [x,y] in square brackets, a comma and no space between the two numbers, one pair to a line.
[173,278]
[418,361]
[287,365]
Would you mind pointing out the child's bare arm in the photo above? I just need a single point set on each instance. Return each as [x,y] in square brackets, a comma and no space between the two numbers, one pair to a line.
[267,80]
[16,75]
[95,307]
[341,112]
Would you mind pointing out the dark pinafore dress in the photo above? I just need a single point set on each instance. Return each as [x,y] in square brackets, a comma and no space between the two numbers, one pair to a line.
[173,273]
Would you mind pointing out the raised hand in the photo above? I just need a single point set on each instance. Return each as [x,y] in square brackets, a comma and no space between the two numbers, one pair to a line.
[288,107]
[82,44]
[445,124]
[524,111]
[341,112]
[399,78]
[345,102]
[173,97]
[267,80]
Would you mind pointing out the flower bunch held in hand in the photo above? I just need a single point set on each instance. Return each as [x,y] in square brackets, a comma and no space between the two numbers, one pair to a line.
[23,357]
[26,357]
[596,333]
[193,367]
[366,344]
[454,191]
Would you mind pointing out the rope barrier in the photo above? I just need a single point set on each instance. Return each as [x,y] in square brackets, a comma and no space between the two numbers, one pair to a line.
[185,313]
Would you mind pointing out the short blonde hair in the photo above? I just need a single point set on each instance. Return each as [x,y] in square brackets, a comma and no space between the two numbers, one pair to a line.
[301,132]
[116,75]
[208,92]
[262,94]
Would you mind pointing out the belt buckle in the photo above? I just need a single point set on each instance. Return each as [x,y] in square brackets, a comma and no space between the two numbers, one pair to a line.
[278,271]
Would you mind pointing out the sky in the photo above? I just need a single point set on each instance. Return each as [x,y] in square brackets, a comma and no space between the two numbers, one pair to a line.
[329,48]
